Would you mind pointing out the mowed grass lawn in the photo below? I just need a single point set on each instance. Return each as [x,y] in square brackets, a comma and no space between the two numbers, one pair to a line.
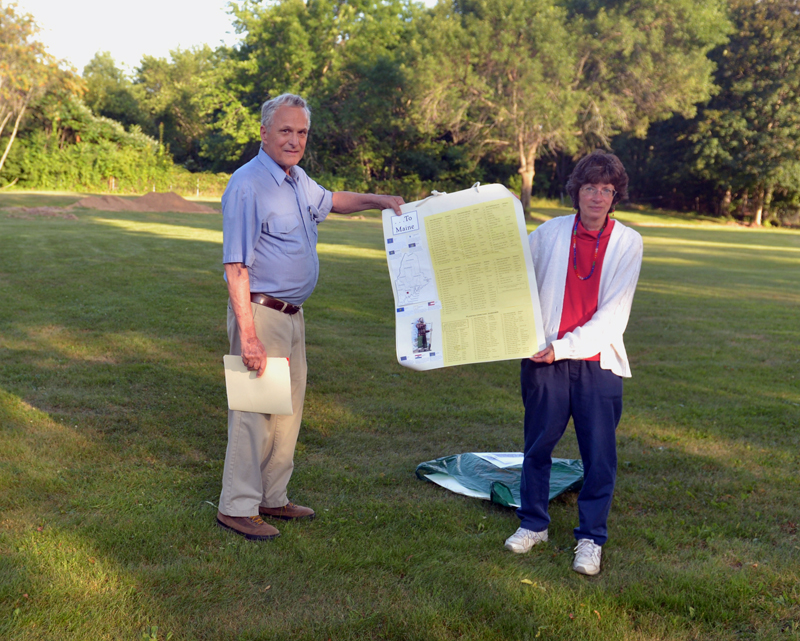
[113,434]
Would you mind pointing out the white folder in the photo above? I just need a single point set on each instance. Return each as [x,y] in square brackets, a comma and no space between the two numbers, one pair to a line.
[269,394]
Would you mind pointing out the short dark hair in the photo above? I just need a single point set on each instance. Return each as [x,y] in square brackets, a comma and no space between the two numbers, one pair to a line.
[598,167]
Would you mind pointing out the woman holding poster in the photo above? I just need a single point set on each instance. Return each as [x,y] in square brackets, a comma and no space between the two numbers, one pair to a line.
[587,267]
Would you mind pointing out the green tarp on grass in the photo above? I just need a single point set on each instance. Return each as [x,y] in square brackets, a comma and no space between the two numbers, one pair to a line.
[496,476]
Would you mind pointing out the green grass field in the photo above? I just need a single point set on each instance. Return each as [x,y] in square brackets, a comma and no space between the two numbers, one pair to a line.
[113,434]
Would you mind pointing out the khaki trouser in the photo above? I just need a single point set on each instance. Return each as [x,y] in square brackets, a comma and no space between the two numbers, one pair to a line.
[260,456]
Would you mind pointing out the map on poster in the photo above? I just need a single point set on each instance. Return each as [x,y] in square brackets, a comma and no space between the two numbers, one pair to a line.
[463,281]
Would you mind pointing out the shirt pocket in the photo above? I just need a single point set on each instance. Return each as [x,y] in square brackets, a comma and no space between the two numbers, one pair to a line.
[284,233]
[313,214]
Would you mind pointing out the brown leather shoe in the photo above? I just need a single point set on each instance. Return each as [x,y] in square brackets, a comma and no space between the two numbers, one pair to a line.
[288,512]
[250,527]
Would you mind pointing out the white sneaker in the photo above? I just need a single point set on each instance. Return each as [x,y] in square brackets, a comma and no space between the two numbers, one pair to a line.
[587,557]
[523,540]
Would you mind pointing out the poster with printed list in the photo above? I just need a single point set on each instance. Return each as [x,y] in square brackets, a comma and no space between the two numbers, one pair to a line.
[463,280]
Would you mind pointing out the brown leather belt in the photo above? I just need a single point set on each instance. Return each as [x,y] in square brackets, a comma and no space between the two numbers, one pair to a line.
[274,303]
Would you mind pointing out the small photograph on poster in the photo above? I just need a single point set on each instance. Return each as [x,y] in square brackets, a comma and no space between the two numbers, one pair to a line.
[421,332]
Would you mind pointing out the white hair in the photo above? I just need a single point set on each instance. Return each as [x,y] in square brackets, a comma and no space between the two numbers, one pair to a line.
[269,108]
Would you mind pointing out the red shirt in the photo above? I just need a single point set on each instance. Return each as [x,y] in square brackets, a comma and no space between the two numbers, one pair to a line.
[580,296]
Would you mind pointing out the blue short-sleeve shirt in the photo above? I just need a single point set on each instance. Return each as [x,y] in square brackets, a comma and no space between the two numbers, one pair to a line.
[269,223]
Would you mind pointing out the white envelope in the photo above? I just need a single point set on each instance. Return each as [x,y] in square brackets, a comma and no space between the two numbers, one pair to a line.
[270,394]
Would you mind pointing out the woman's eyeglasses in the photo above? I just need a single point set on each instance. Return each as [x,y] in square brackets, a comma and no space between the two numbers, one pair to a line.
[605,192]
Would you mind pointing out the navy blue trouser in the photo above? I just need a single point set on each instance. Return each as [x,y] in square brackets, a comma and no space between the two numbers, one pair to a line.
[593,397]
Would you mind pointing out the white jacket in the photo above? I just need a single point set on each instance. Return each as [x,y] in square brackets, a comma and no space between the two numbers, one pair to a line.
[550,247]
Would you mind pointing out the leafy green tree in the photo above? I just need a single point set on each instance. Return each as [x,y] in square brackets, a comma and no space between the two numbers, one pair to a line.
[747,138]
[641,61]
[26,72]
[362,128]
[68,146]
[499,77]
[61,143]
[350,59]
[515,78]
[109,91]
[279,52]
[169,91]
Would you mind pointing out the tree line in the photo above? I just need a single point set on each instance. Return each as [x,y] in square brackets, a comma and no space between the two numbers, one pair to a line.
[698,97]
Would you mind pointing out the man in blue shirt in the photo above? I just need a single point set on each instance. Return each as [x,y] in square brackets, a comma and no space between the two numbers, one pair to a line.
[270,213]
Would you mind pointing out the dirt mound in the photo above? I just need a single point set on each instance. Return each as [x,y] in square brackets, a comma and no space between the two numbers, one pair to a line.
[151,201]
[171,201]
[30,213]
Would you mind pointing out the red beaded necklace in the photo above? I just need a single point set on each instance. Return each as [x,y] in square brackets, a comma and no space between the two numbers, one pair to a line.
[575,247]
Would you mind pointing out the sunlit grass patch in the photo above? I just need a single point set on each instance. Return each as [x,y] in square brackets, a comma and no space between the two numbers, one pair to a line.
[176,232]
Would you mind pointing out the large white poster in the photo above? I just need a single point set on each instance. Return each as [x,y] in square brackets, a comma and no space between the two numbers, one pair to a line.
[463,280]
